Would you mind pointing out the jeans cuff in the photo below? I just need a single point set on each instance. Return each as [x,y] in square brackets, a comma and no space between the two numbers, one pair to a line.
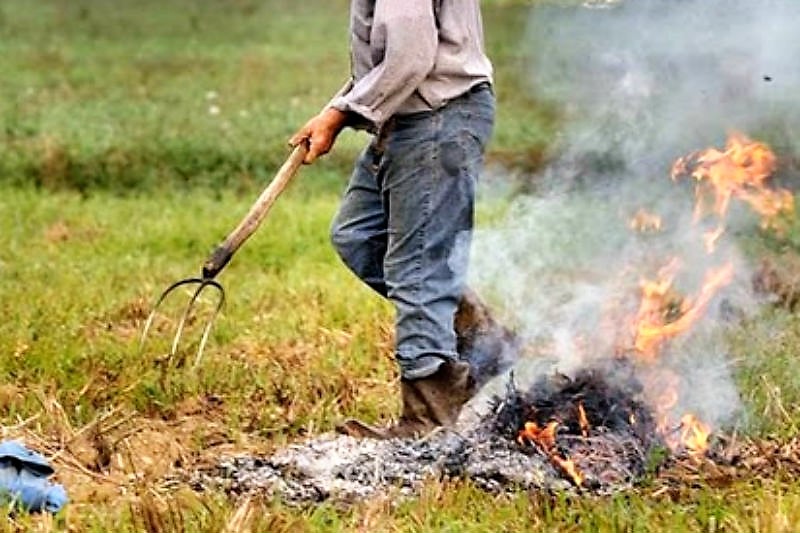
[421,366]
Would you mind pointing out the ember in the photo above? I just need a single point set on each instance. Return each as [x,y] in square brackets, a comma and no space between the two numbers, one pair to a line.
[545,439]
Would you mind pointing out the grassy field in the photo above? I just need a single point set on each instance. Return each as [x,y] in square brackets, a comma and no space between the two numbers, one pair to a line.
[134,135]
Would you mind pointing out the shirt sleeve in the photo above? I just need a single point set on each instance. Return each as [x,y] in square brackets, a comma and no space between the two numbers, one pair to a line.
[408,31]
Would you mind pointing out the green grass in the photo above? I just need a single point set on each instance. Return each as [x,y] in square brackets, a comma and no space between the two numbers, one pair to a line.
[300,346]
[117,179]
[133,95]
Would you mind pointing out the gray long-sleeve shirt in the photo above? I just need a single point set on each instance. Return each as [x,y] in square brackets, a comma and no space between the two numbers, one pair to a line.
[412,55]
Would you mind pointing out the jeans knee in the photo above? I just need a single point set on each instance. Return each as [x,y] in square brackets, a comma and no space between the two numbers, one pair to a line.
[341,239]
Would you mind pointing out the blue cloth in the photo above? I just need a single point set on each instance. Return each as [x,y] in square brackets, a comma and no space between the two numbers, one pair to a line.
[405,222]
[23,480]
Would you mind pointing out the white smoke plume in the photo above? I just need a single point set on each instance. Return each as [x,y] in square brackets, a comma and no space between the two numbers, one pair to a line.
[640,84]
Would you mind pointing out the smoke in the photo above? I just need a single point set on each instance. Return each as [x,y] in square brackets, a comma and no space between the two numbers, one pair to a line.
[651,79]
[640,84]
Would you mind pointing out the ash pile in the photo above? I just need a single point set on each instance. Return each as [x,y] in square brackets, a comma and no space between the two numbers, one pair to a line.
[589,432]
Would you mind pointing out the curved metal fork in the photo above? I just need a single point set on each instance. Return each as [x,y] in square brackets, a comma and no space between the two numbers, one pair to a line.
[202,284]
[223,253]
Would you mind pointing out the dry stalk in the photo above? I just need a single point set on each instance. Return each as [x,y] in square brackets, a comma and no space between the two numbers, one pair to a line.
[242,518]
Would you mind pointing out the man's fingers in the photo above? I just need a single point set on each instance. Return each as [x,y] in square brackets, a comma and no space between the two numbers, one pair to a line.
[304,134]
[313,153]
[297,138]
[318,145]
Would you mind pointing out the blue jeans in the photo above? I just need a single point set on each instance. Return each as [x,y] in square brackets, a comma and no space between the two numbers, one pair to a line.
[405,222]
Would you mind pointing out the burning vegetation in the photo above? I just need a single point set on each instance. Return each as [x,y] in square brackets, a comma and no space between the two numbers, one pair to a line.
[554,424]
[583,422]
[595,429]
[741,171]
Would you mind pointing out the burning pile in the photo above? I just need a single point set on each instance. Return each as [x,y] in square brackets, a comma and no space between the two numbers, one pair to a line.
[562,425]
[608,450]
[592,430]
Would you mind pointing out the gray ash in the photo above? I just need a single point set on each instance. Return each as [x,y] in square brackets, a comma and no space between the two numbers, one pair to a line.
[611,456]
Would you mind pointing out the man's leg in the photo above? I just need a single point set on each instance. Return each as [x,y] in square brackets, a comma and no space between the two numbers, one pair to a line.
[359,230]
[432,166]
[429,173]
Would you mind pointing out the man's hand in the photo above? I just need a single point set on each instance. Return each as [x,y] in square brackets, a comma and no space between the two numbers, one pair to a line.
[320,132]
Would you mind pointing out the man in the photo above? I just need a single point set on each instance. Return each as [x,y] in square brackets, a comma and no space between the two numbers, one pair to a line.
[421,84]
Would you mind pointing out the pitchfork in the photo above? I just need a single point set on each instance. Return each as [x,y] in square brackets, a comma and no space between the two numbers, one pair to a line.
[221,255]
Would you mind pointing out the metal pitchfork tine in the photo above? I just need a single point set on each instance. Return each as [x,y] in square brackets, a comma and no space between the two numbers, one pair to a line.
[222,254]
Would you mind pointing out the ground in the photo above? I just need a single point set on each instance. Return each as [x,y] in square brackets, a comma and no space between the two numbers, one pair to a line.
[133,139]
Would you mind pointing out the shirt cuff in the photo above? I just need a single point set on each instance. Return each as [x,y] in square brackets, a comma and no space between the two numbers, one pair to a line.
[362,117]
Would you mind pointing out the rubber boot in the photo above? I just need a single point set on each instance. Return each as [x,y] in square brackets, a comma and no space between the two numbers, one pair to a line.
[427,404]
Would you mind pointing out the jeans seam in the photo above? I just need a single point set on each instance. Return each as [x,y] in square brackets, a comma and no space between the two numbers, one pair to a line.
[426,208]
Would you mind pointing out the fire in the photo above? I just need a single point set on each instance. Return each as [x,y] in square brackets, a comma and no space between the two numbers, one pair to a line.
[545,440]
[694,434]
[569,467]
[740,171]
[663,314]
[583,420]
[544,437]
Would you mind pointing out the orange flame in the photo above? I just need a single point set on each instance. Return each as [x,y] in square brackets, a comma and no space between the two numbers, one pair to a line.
[583,420]
[691,435]
[740,171]
[545,439]
[569,467]
[662,317]
[694,435]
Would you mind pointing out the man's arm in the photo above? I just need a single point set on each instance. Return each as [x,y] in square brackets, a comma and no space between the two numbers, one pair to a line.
[408,31]
[410,38]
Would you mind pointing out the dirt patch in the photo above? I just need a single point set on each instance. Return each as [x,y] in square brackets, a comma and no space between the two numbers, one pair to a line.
[119,453]
[62,231]
[125,322]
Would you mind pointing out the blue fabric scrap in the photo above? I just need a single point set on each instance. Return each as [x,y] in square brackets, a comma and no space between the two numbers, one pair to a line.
[23,480]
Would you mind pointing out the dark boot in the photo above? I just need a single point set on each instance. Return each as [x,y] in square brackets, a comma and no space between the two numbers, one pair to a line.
[489,347]
[427,404]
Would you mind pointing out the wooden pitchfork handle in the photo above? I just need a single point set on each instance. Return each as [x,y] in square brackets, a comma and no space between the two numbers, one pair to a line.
[224,251]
